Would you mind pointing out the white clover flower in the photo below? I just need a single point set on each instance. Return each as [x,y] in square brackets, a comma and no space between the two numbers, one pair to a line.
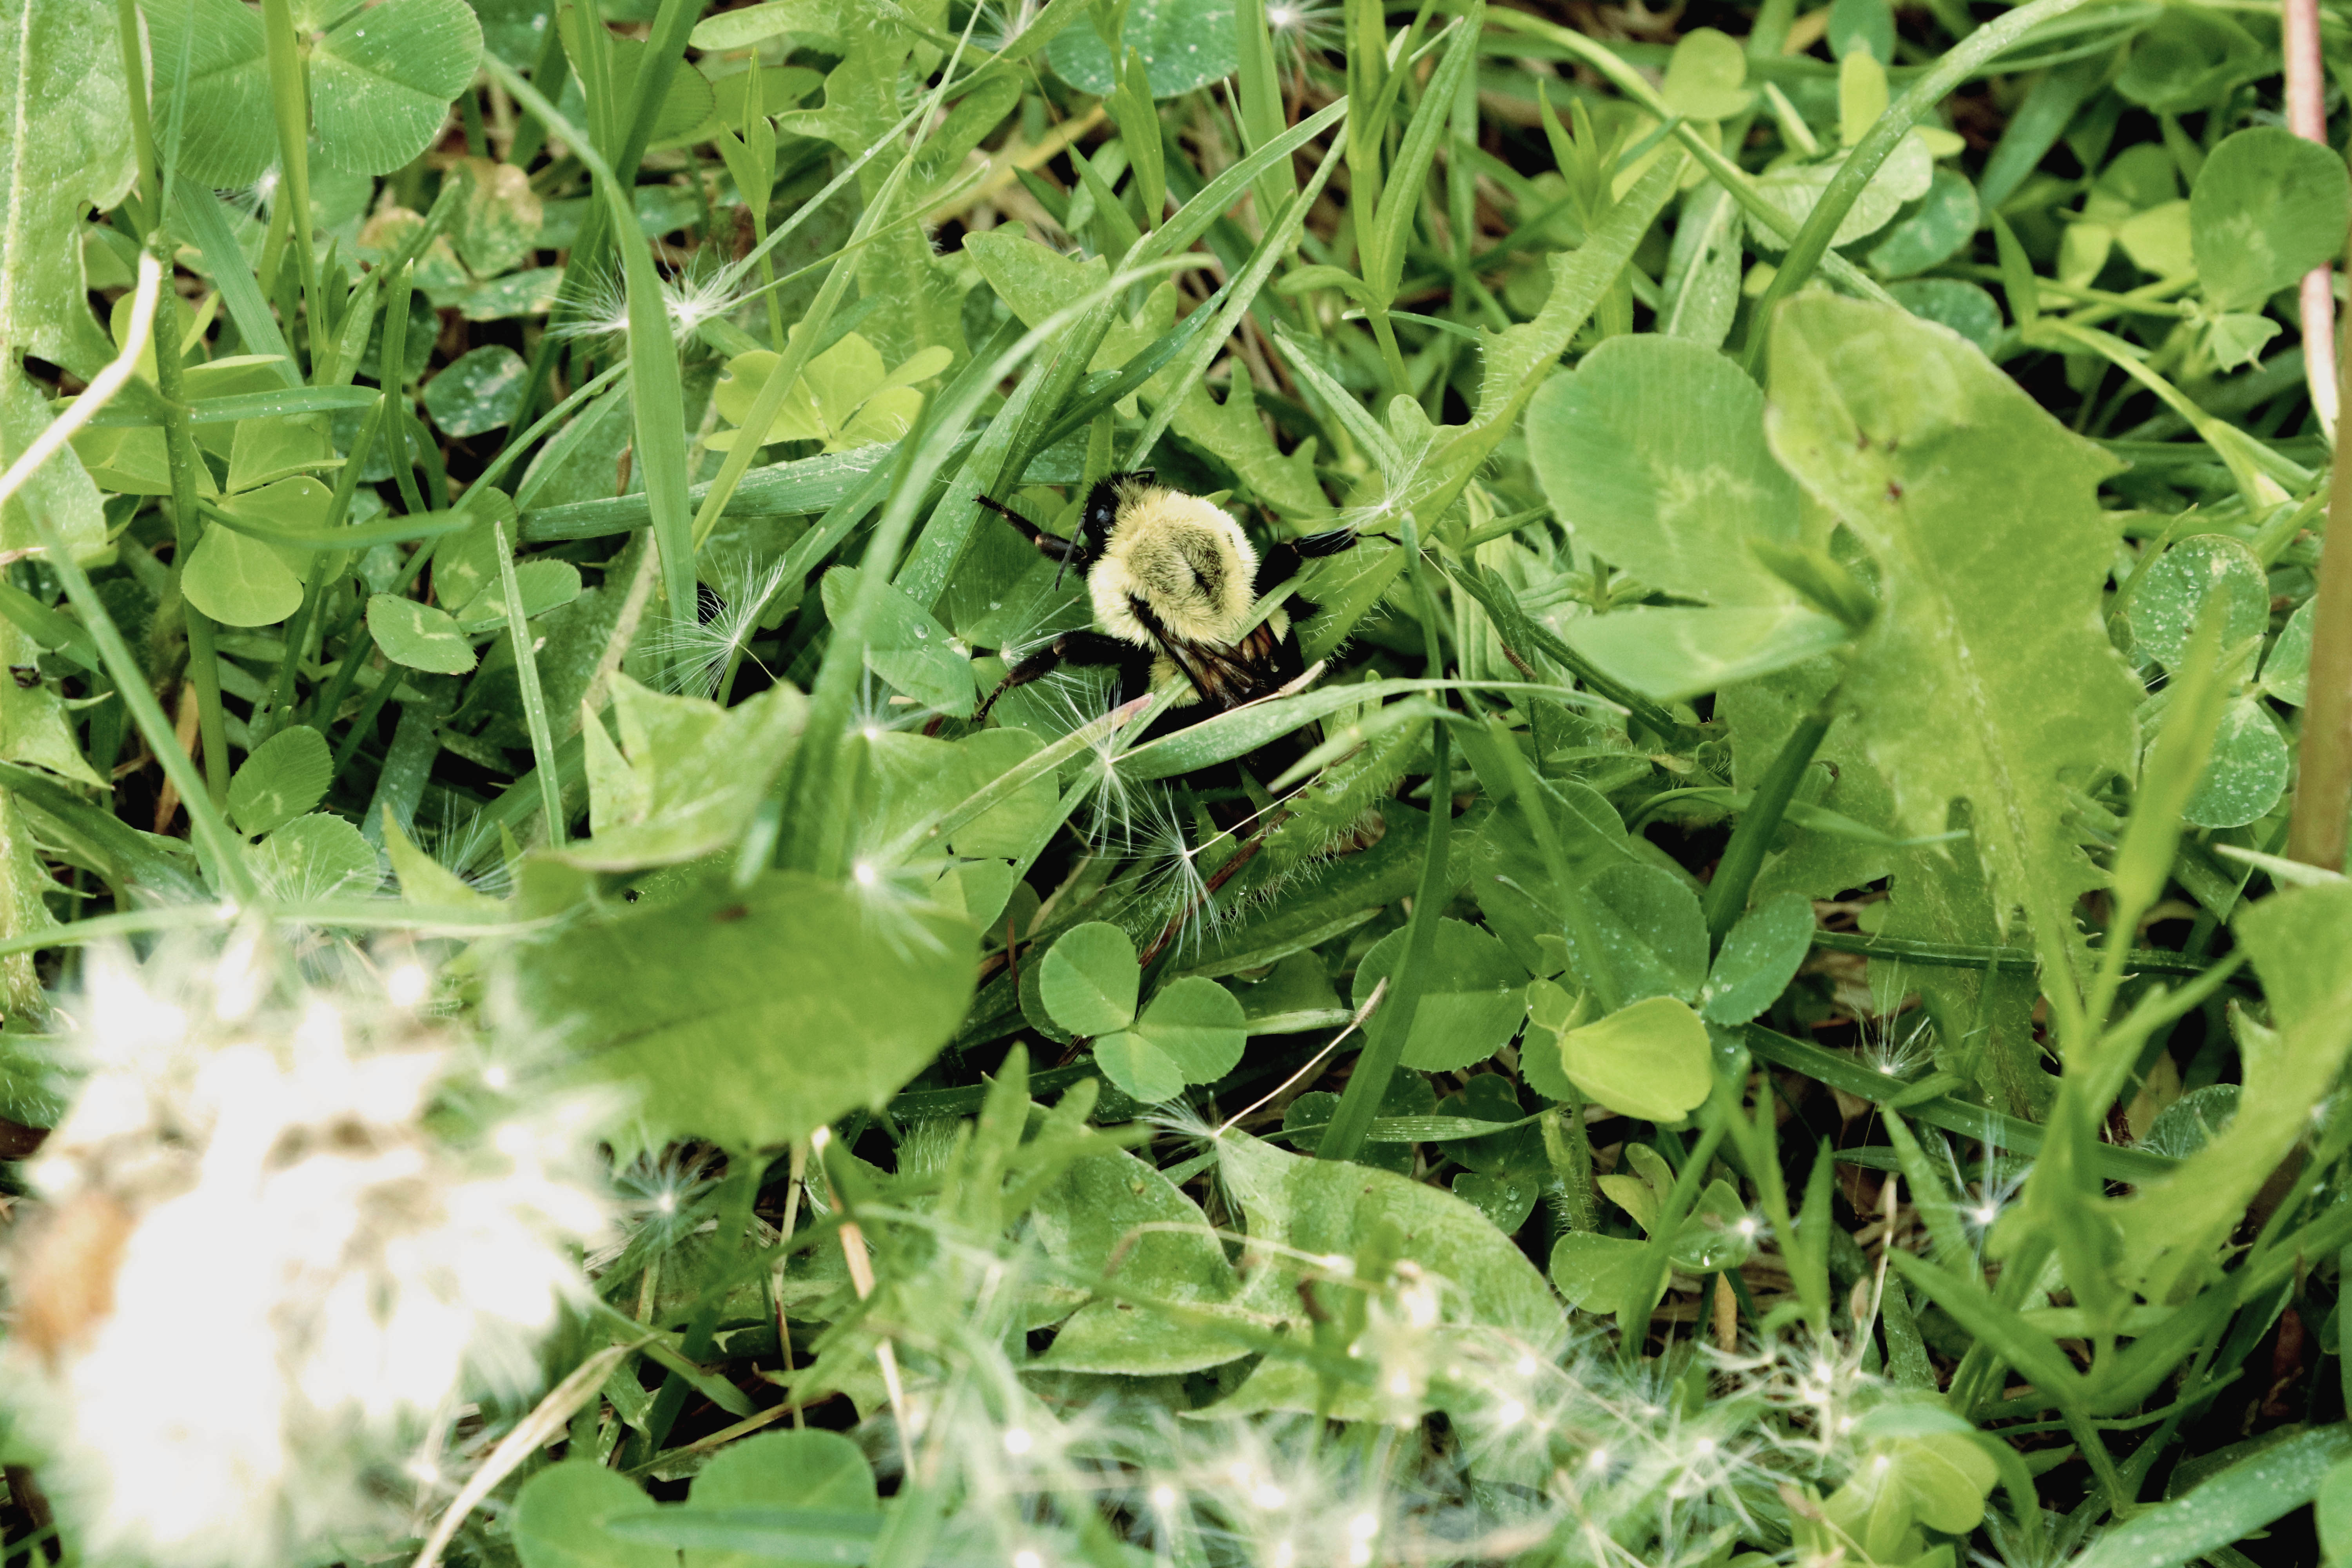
[264,1275]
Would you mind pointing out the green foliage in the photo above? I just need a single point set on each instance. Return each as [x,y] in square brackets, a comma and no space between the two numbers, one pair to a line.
[1769,773]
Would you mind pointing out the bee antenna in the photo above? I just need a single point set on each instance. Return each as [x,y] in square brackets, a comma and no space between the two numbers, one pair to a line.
[1077,541]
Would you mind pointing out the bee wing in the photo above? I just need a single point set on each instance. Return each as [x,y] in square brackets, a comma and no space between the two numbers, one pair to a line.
[1226,674]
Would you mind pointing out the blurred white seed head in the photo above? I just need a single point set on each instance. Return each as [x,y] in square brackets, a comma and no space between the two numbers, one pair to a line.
[262,1274]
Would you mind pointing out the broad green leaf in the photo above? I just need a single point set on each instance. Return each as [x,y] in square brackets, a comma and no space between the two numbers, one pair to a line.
[696,773]
[2226,1508]
[1593,1271]
[1993,681]
[542,585]
[1088,980]
[750,1017]
[286,775]
[501,218]
[2302,946]
[2246,773]
[65,145]
[1197,1025]
[1648,932]
[2237,339]
[1703,76]
[2267,207]
[239,582]
[1948,1476]
[382,81]
[1506,1200]
[1759,958]
[1947,220]
[1298,1208]
[1864,26]
[465,566]
[1650,1060]
[420,636]
[1139,1069]
[845,397]
[907,646]
[761,1533]
[1797,188]
[1114,1208]
[2333,1511]
[561,1513]
[1185,44]
[36,727]
[1471,1000]
[273,448]
[2190,1123]
[1964,306]
[61,488]
[2187,59]
[476,390]
[1861,94]
[822,1471]
[2286,670]
[740,29]
[1673,654]
[2167,594]
[316,858]
[1011,829]
[1652,449]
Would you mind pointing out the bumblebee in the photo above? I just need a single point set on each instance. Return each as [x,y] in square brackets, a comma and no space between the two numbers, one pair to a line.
[1171,578]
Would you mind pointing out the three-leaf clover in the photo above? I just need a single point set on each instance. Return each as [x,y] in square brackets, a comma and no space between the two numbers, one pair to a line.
[1191,1033]
[844,398]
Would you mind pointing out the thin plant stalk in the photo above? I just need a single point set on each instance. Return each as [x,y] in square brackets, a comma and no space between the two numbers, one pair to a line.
[142,130]
[204,662]
[2306,116]
[205,819]
[290,112]
[2323,790]
[534,699]
[1735,874]
[298,632]
[654,392]
[1384,1043]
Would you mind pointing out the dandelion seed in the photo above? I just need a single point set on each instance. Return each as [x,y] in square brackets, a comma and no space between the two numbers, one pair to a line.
[1285,1554]
[1525,1366]
[1163,1498]
[1018,1440]
[1025,1558]
[407,985]
[698,294]
[1269,1497]
[1510,1412]
[865,873]
[1298,29]
[495,1078]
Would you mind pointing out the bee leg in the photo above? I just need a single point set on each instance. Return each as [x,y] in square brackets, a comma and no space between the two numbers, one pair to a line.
[1070,551]
[1284,559]
[1086,648]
